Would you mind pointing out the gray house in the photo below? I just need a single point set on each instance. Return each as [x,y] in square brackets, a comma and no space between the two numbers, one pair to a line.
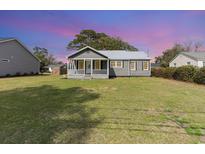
[188,58]
[91,63]
[16,59]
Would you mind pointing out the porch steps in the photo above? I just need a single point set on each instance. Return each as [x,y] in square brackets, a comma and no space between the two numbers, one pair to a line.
[87,77]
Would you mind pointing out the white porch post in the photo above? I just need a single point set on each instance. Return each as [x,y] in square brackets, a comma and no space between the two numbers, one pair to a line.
[91,67]
[129,67]
[68,64]
[84,67]
[108,67]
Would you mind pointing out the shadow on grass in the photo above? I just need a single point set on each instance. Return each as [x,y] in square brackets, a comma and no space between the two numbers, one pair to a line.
[43,115]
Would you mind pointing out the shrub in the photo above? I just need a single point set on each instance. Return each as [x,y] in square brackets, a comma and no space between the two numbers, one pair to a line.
[168,72]
[8,75]
[200,76]
[157,72]
[18,73]
[185,73]
[164,72]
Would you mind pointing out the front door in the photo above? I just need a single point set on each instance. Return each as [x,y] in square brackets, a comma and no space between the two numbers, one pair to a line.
[88,67]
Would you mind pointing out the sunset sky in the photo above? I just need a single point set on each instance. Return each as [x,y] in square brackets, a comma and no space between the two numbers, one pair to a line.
[152,31]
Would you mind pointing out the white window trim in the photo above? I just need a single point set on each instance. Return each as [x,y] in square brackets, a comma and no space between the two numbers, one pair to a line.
[115,62]
[133,69]
[147,65]
[99,65]
[5,60]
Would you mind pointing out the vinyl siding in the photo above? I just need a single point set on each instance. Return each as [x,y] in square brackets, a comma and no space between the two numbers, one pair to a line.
[139,69]
[20,60]
[125,70]
[182,60]
[200,63]
[87,53]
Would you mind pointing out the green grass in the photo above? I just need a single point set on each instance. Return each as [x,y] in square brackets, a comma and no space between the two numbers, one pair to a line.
[47,109]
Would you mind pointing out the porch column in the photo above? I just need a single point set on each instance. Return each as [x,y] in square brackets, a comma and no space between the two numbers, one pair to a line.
[91,67]
[84,67]
[68,64]
[108,66]
[129,67]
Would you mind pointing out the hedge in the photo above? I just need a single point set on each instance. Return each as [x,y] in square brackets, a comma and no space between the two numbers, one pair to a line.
[184,73]
[200,76]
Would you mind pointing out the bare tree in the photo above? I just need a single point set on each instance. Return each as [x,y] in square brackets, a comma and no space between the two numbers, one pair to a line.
[192,45]
[198,45]
[188,45]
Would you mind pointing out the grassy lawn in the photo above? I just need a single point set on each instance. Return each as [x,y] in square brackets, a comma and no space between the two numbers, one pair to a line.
[47,109]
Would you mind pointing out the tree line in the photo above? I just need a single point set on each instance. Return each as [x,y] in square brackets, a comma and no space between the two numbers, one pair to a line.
[102,41]
[169,54]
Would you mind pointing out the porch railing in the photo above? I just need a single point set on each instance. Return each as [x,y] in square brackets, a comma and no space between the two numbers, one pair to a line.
[73,70]
[82,71]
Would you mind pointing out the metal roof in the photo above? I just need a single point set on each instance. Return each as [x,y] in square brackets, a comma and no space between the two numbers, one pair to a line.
[117,54]
[195,55]
[123,54]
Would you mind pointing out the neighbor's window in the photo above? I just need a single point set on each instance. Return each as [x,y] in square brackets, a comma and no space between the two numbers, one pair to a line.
[145,65]
[175,64]
[188,63]
[132,65]
[5,60]
[97,64]
[80,64]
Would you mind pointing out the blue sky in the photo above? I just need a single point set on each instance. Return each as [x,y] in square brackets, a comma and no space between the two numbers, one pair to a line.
[147,30]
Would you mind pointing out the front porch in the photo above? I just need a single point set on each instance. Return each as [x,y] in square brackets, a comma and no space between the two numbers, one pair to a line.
[88,68]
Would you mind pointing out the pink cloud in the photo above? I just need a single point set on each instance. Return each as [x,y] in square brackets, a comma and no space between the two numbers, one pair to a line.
[42,27]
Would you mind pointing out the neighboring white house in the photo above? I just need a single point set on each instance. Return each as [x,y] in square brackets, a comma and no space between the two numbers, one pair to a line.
[188,58]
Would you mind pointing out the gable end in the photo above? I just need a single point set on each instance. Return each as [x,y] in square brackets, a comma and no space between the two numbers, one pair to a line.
[87,52]
[21,44]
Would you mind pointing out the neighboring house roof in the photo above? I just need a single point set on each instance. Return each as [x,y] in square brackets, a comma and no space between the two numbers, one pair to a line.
[2,40]
[155,65]
[52,66]
[195,55]
[117,54]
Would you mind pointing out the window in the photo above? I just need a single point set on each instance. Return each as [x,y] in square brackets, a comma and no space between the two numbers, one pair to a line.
[175,64]
[204,64]
[145,65]
[80,64]
[5,60]
[119,64]
[112,63]
[188,63]
[104,64]
[116,64]
[132,65]
[97,64]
